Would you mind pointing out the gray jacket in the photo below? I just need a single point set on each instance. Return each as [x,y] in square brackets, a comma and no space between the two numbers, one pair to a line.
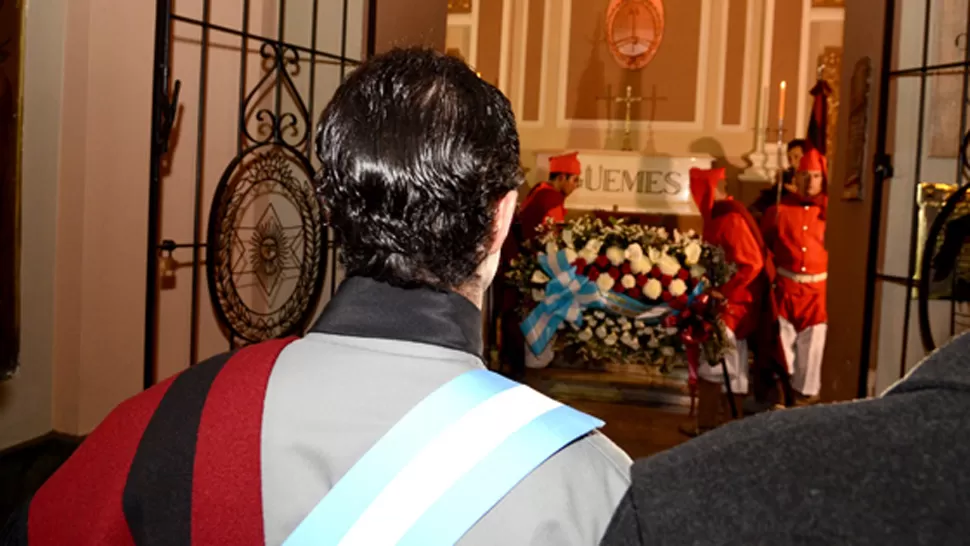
[374,354]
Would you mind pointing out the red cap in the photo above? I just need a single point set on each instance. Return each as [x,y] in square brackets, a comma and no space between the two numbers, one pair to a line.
[703,182]
[566,164]
[812,161]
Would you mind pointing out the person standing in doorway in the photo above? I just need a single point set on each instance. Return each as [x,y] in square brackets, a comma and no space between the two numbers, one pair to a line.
[794,231]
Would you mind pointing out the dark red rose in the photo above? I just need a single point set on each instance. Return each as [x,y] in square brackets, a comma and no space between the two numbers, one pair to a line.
[614,272]
[625,268]
[683,274]
[618,287]
[593,274]
[665,296]
[634,293]
[680,302]
[580,264]
[642,280]
[670,321]
[656,273]
[602,262]
[666,280]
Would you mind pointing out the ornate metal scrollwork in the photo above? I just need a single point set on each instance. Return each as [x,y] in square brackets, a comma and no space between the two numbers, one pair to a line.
[266,245]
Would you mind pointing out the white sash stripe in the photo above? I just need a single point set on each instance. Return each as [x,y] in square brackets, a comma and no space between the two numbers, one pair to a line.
[442,462]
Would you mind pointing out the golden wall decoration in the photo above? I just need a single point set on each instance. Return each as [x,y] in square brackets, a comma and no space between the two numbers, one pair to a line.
[459,6]
[830,65]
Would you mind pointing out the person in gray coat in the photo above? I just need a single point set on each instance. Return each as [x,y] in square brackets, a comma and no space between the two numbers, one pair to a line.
[888,470]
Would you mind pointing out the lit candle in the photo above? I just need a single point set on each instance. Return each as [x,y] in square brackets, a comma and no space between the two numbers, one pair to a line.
[781,103]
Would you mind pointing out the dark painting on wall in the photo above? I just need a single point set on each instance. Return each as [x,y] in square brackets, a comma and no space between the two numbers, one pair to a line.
[11,34]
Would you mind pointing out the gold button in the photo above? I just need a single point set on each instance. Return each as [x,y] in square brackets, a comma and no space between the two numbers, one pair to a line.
[804,249]
[804,228]
[803,270]
[806,207]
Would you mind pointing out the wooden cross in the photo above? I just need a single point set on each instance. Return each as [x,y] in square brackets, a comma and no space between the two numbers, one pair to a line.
[629,99]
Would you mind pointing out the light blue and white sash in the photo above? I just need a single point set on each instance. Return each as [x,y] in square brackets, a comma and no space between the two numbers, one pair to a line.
[444,465]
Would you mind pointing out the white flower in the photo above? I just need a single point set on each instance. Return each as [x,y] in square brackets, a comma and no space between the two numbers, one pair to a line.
[677,287]
[653,289]
[697,271]
[592,321]
[601,332]
[639,324]
[539,277]
[594,246]
[668,265]
[641,265]
[567,237]
[615,255]
[633,252]
[599,314]
[570,255]
[604,283]
[653,254]
[610,340]
[653,343]
[552,248]
[630,341]
[538,295]
[623,321]
[588,255]
[610,322]
[692,253]
[628,281]
[668,351]
[585,335]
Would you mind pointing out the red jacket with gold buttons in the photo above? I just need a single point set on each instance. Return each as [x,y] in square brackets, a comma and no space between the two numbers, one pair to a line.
[794,232]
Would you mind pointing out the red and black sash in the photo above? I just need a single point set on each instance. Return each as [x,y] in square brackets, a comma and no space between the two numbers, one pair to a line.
[160,468]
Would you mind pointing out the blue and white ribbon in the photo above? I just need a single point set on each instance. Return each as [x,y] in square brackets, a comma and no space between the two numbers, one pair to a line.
[567,295]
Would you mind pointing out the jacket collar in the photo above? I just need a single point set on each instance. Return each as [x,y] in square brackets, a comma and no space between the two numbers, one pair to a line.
[364,307]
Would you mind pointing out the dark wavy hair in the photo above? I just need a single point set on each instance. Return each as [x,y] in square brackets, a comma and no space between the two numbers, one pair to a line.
[416,151]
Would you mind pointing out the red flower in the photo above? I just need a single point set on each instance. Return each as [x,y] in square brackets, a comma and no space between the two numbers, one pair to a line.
[618,287]
[625,268]
[593,274]
[642,280]
[655,272]
[614,272]
[683,274]
[602,262]
[580,264]
[665,295]
[634,293]
[666,280]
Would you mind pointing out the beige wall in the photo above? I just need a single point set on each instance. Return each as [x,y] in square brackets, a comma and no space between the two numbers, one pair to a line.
[25,401]
[551,59]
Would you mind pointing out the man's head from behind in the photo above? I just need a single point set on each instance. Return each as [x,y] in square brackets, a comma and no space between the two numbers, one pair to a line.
[564,172]
[420,160]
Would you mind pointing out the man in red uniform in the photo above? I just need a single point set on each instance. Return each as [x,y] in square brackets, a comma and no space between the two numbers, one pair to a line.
[794,231]
[544,202]
[728,224]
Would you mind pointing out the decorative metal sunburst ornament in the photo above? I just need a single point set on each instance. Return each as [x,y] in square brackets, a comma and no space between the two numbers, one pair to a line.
[266,251]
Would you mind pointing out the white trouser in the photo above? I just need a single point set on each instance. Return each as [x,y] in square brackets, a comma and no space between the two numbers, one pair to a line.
[736,360]
[803,351]
[538,361]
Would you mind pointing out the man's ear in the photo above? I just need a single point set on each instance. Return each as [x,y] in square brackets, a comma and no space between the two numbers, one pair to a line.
[504,213]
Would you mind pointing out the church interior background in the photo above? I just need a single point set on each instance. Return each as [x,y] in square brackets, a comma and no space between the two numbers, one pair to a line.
[90,333]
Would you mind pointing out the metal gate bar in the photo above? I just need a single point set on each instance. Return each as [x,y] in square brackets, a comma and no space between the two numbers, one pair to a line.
[163,115]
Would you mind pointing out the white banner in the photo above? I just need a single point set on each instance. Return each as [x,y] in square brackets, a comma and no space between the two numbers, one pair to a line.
[629,182]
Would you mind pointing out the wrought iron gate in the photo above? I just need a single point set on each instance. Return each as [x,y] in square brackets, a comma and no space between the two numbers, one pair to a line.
[925,78]
[265,253]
